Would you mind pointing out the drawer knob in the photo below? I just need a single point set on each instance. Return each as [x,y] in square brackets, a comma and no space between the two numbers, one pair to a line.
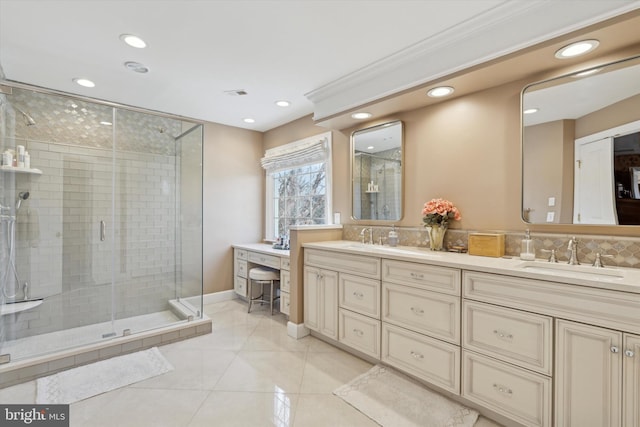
[416,355]
[615,349]
[629,353]
[417,276]
[503,389]
[417,310]
[358,295]
[358,332]
[503,335]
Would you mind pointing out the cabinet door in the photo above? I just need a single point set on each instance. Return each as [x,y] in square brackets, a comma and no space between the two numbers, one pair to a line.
[588,376]
[328,307]
[311,288]
[631,381]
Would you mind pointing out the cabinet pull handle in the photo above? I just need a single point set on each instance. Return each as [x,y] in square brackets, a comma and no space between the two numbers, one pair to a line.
[416,355]
[358,332]
[358,295]
[417,311]
[629,353]
[503,389]
[417,276]
[503,335]
[614,349]
[103,231]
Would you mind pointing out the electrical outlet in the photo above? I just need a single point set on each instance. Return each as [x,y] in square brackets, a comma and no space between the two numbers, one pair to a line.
[550,216]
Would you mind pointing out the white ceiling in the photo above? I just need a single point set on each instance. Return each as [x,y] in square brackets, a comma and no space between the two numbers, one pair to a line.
[294,50]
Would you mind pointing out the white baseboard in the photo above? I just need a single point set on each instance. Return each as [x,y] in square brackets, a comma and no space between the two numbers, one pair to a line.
[297,330]
[221,296]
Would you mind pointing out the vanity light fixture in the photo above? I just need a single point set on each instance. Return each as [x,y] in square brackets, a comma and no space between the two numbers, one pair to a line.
[440,91]
[361,116]
[530,111]
[249,120]
[282,103]
[84,82]
[576,49]
[133,41]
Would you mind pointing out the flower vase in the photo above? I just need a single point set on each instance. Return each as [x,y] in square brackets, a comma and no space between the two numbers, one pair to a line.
[436,237]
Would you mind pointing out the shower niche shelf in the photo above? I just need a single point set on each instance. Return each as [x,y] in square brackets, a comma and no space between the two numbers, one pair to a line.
[20,170]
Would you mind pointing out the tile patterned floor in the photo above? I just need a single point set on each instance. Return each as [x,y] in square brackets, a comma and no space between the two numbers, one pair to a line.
[247,372]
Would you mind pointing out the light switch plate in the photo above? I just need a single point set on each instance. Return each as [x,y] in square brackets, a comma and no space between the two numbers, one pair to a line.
[550,216]
[552,201]
[336,218]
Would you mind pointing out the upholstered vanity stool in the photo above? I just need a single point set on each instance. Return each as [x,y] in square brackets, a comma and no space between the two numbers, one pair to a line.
[263,276]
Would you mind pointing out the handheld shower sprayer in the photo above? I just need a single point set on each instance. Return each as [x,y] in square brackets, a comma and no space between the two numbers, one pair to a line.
[23,195]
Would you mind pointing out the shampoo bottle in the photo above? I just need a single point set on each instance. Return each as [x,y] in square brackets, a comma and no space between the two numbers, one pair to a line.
[527,251]
[392,239]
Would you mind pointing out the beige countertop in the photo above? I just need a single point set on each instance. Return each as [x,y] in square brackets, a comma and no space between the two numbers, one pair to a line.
[264,248]
[613,278]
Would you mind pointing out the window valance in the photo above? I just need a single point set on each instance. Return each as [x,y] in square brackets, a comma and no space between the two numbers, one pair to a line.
[310,150]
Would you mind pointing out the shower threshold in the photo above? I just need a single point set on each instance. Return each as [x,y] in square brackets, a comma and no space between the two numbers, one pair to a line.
[52,358]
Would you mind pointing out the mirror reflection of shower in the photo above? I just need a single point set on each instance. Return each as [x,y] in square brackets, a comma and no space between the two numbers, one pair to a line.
[10,290]
[384,171]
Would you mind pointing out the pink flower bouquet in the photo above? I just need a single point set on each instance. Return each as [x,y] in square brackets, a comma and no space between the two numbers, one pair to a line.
[439,212]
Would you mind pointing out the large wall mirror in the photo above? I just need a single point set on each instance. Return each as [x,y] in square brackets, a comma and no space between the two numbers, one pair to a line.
[581,147]
[377,168]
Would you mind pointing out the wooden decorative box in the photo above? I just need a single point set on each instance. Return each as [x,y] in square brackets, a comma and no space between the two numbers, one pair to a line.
[486,244]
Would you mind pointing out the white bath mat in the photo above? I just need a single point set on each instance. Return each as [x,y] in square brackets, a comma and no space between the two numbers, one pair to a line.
[391,399]
[90,380]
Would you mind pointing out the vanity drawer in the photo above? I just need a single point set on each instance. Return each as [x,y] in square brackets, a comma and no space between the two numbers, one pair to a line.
[240,254]
[240,286]
[440,279]
[347,263]
[241,268]
[285,264]
[427,358]
[359,332]
[359,294]
[522,338]
[285,303]
[422,311]
[285,281]
[264,259]
[516,393]
[603,307]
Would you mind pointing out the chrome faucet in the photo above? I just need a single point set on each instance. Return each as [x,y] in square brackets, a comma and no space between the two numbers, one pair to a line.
[370,242]
[573,247]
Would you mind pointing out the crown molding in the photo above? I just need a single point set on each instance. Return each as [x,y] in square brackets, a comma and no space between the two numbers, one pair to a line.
[501,30]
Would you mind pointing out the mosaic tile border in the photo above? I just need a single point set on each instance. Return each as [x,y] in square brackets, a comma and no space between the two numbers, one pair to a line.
[618,251]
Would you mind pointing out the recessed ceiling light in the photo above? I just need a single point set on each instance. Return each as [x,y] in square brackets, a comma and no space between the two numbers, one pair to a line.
[249,120]
[576,49]
[530,111]
[283,103]
[84,82]
[587,73]
[105,123]
[371,147]
[440,91]
[133,41]
[361,116]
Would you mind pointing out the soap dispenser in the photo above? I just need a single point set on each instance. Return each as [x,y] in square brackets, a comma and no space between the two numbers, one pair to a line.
[527,251]
[392,240]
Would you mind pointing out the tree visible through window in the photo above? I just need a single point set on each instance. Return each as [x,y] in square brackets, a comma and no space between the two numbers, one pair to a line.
[300,197]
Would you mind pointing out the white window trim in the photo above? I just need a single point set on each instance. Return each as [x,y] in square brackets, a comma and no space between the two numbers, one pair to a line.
[269,190]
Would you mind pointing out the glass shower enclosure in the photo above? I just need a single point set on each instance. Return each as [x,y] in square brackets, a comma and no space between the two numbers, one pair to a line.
[101,221]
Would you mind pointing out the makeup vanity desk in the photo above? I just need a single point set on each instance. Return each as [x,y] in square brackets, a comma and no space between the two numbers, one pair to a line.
[249,255]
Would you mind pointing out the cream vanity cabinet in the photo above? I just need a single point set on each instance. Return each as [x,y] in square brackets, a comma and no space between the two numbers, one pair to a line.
[240,271]
[341,298]
[421,321]
[285,286]
[507,351]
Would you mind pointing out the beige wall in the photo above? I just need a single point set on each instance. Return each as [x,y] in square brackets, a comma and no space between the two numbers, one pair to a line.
[620,113]
[466,150]
[233,199]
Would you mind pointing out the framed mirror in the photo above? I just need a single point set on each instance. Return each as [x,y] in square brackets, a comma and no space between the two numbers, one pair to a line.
[581,147]
[377,173]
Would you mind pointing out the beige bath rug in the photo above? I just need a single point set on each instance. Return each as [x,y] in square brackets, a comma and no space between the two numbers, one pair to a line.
[393,400]
[90,380]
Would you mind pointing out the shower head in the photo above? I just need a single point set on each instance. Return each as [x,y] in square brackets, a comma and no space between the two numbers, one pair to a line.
[28,120]
[23,195]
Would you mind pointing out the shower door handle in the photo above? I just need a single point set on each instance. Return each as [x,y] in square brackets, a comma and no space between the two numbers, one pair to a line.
[103,230]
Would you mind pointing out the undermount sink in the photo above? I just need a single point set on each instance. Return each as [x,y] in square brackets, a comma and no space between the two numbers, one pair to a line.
[387,249]
[575,271]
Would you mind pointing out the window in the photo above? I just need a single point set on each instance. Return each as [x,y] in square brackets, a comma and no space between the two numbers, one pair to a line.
[298,190]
